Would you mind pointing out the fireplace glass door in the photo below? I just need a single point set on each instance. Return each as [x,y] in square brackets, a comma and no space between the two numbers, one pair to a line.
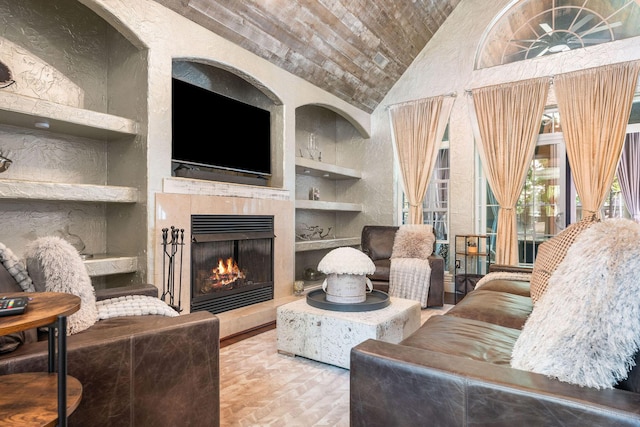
[232,266]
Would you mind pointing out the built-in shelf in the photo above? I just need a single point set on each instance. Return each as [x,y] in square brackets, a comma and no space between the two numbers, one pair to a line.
[313,245]
[319,205]
[23,111]
[34,190]
[325,170]
[105,264]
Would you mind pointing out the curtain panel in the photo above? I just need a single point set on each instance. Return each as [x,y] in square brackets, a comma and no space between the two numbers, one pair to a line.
[418,127]
[629,174]
[595,105]
[507,121]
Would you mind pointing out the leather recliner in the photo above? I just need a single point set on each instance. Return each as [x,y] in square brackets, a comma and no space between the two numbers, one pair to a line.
[377,243]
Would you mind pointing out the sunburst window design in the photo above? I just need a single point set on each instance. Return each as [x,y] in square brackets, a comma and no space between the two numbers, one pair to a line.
[534,28]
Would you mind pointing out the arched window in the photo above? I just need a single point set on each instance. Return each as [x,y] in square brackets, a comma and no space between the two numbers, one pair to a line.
[532,28]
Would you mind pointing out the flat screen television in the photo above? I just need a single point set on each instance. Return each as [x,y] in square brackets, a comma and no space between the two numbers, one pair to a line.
[218,132]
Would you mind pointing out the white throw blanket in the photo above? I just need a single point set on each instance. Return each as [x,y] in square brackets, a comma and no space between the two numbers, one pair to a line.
[409,279]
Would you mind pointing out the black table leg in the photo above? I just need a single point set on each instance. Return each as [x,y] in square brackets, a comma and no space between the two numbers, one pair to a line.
[52,347]
[62,371]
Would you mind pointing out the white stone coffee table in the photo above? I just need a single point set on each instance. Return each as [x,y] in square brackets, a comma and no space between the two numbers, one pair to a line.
[328,336]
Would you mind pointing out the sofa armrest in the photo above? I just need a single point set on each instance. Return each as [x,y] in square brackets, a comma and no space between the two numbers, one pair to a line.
[391,384]
[509,268]
[144,289]
[139,370]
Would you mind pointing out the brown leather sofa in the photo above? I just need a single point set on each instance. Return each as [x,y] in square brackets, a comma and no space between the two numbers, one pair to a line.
[137,370]
[377,242]
[455,371]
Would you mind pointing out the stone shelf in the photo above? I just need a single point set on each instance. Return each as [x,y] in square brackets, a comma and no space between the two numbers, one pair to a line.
[105,264]
[18,110]
[312,245]
[325,170]
[328,206]
[34,190]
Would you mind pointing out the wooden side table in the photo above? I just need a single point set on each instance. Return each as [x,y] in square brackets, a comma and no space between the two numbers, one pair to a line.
[41,398]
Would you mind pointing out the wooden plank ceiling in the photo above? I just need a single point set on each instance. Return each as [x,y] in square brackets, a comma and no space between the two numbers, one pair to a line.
[354,49]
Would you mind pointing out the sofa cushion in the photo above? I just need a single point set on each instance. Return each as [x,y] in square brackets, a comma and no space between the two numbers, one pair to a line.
[551,253]
[469,338]
[585,329]
[498,308]
[413,241]
[56,266]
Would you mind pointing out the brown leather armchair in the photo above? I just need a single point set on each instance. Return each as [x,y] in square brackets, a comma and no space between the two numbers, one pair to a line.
[377,243]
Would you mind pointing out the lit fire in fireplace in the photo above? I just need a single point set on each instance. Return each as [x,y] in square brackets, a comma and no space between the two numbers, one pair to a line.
[226,273]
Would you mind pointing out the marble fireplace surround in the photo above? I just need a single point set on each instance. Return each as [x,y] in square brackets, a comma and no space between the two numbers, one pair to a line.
[182,197]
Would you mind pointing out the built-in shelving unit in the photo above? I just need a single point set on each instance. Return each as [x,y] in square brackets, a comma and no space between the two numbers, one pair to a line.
[327,168]
[25,112]
[75,139]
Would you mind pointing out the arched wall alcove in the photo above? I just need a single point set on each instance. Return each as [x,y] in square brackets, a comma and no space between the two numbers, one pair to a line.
[329,198]
[82,76]
[238,86]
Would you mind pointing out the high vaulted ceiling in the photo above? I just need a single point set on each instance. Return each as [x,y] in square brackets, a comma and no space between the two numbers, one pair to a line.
[354,49]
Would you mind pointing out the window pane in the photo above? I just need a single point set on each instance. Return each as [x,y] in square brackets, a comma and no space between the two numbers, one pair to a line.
[537,208]
[635,113]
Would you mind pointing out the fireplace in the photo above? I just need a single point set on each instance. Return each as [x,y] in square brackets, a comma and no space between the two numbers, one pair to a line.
[231,261]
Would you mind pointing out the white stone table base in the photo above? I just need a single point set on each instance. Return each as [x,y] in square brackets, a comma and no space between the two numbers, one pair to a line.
[328,336]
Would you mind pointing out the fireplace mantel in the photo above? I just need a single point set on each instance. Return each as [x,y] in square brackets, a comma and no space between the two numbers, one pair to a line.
[216,188]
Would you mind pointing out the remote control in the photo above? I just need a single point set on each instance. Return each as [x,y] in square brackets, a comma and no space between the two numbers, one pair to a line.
[10,306]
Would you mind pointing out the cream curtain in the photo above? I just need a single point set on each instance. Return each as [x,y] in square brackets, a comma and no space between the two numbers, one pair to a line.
[418,127]
[595,105]
[508,121]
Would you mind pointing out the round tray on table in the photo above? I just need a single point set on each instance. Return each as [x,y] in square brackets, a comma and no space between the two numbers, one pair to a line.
[375,300]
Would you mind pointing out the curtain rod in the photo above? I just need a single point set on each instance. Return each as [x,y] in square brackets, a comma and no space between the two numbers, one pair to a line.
[469,91]
[450,94]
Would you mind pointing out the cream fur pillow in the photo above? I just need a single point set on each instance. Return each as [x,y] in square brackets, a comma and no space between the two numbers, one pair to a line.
[55,266]
[585,329]
[413,241]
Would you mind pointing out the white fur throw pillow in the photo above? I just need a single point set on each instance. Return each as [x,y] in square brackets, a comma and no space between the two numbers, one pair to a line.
[413,241]
[56,266]
[585,329]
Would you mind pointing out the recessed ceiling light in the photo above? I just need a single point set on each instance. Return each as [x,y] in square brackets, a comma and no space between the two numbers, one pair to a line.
[42,124]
